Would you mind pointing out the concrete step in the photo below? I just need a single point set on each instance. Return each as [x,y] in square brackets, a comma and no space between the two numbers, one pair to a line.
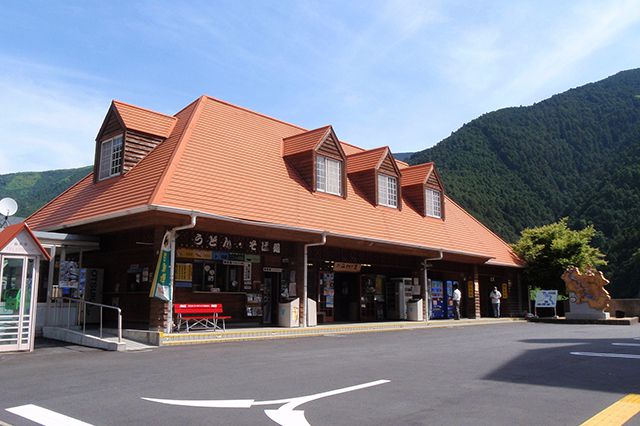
[91,338]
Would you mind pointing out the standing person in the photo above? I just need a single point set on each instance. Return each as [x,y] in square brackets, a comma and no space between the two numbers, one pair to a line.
[457,295]
[495,296]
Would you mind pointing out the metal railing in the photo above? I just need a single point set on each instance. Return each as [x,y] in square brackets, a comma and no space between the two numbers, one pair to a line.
[81,315]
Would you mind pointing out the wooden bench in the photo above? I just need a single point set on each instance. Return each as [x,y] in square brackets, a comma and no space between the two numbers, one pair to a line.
[206,316]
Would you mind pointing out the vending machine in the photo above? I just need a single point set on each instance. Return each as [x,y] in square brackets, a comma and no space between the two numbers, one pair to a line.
[399,292]
[437,300]
[449,299]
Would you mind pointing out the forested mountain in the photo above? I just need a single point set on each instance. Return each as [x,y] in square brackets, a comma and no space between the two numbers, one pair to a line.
[575,154]
[33,189]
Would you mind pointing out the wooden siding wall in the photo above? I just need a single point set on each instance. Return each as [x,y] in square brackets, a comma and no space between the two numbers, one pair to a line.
[329,148]
[303,164]
[110,129]
[136,147]
[387,167]
[433,182]
[365,185]
[414,194]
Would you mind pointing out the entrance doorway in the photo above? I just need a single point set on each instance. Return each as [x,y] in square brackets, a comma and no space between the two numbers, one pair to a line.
[270,297]
[17,305]
[347,295]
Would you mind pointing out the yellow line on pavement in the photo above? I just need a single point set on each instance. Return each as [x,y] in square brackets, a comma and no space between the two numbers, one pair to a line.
[617,413]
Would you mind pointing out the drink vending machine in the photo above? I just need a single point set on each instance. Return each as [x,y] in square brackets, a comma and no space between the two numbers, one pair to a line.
[437,300]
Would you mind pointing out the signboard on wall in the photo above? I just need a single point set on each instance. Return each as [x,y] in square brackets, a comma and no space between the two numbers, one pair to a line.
[346,267]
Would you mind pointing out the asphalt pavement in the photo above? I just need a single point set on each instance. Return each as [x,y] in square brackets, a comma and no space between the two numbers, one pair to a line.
[503,374]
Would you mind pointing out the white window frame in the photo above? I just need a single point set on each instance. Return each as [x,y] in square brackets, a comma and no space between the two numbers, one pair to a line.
[111,157]
[387,190]
[433,201]
[328,175]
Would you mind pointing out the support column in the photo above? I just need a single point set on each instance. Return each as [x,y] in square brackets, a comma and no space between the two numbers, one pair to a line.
[158,309]
[424,294]
[476,291]
[297,265]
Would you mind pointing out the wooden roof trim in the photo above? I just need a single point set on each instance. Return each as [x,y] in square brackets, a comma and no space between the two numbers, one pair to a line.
[434,170]
[112,110]
[178,150]
[323,139]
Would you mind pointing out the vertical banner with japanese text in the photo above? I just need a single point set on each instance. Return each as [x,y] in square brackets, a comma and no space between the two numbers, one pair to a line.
[161,284]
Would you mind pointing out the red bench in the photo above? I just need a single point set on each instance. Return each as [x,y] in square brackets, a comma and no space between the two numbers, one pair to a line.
[199,315]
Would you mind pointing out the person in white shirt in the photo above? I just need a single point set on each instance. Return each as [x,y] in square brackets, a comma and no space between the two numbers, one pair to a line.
[495,296]
[457,295]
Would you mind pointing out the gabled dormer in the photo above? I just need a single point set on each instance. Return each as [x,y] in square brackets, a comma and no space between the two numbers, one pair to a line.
[318,158]
[375,174]
[423,189]
[127,135]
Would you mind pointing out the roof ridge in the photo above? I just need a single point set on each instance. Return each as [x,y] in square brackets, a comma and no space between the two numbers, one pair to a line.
[308,131]
[144,109]
[177,150]
[369,151]
[416,165]
[253,112]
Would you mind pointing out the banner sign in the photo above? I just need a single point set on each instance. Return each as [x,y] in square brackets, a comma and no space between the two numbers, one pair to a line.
[161,284]
[546,298]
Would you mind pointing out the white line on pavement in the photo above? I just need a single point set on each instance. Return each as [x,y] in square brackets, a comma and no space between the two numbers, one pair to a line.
[626,344]
[228,403]
[45,417]
[606,355]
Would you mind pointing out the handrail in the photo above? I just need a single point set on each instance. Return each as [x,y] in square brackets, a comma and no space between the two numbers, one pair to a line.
[83,303]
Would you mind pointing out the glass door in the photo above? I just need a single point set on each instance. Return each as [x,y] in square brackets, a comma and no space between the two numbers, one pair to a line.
[16,304]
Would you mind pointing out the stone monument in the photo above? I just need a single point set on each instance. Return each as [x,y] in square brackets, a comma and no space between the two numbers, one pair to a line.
[587,297]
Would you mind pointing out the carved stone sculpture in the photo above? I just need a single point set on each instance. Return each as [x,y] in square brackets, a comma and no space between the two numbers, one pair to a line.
[587,296]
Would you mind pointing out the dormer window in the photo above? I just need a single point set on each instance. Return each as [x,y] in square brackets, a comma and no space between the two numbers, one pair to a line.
[110,157]
[433,199]
[387,190]
[328,175]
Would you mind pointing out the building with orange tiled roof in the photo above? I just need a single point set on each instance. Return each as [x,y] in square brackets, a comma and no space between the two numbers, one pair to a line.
[266,211]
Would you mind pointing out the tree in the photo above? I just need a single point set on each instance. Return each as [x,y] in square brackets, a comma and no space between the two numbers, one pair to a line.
[550,249]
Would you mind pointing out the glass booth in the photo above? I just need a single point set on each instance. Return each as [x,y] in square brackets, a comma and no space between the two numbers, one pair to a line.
[19,259]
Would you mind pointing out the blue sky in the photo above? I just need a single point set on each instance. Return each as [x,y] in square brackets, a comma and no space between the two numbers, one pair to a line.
[399,73]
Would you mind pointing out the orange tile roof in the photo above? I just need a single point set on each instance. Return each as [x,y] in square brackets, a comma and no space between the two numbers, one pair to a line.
[144,120]
[226,160]
[366,160]
[10,232]
[416,175]
[305,141]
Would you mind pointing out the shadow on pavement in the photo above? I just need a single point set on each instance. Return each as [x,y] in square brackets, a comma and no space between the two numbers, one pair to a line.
[554,365]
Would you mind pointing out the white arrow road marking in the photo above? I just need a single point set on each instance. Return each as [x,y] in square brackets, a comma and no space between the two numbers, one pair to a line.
[626,344]
[45,417]
[284,416]
[606,355]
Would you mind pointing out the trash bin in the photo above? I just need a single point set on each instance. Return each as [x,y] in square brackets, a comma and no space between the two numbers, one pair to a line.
[289,313]
[414,310]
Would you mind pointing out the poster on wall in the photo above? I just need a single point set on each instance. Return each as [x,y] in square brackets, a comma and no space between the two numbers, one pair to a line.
[69,274]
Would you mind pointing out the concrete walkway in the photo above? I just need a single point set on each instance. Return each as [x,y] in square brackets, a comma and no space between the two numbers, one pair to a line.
[263,333]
